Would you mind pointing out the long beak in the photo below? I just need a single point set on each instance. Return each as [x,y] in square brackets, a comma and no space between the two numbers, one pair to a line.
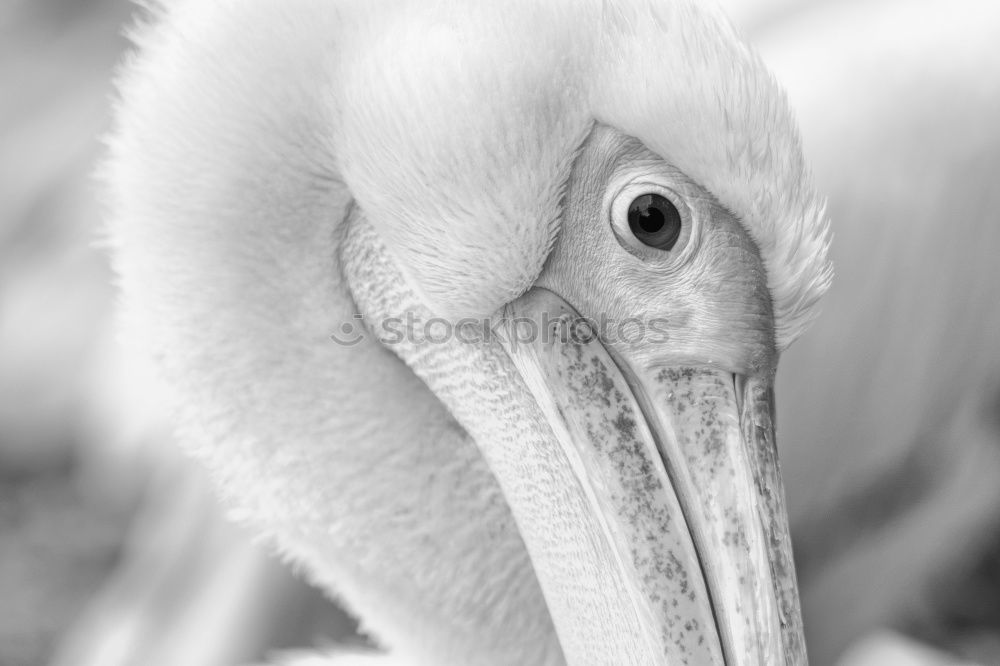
[682,553]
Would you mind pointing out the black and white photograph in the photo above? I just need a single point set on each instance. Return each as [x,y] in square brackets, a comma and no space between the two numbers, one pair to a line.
[499,333]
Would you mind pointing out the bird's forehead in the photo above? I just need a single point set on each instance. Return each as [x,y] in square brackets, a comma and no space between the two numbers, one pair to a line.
[459,121]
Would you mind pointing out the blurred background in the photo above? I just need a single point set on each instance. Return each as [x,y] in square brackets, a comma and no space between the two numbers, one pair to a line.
[112,551]
[58,539]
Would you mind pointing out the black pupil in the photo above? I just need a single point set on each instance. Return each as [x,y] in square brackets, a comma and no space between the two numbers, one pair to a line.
[654,221]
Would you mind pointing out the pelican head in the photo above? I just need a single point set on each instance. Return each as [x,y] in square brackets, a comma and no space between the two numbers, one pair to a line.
[474,308]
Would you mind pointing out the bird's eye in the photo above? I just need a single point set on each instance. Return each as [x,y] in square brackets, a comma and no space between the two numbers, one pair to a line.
[651,220]
[655,221]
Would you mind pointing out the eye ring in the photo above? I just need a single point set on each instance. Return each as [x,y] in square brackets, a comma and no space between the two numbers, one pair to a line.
[651,221]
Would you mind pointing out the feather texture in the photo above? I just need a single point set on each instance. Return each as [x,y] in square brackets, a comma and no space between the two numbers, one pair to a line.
[246,132]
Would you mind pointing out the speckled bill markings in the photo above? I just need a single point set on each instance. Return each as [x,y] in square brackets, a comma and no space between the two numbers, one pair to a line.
[679,465]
